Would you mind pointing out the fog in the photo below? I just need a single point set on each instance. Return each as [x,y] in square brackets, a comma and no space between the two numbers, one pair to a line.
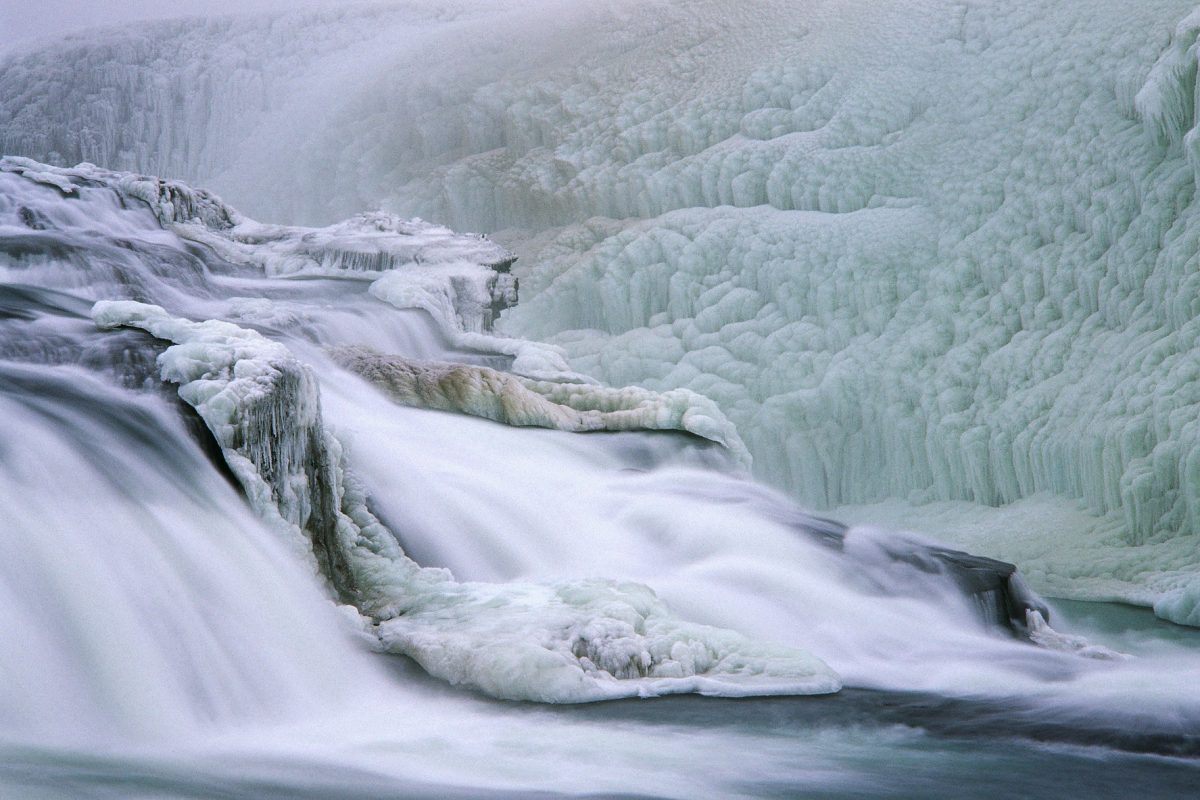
[24,22]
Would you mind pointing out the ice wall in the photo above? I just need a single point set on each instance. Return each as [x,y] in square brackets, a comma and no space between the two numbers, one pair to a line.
[173,97]
[926,251]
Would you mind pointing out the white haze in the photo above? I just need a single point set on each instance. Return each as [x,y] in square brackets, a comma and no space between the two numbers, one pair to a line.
[23,23]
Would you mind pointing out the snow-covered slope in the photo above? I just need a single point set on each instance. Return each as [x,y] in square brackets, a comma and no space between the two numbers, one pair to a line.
[918,251]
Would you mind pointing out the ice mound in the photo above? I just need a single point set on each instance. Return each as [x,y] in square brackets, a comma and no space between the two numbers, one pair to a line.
[1041,634]
[1181,606]
[564,642]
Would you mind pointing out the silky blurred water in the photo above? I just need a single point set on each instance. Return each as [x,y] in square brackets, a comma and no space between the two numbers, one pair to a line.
[160,640]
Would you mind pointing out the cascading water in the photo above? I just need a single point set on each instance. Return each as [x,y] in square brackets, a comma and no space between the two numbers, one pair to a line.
[933,258]
[149,599]
[281,514]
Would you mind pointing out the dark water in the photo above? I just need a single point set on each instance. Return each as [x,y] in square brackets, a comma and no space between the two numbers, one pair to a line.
[857,744]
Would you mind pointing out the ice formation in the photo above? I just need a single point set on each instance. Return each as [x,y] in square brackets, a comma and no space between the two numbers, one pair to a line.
[384,504]
[174,100]
[565,642]
[927,252]
[513,400]
[140,595]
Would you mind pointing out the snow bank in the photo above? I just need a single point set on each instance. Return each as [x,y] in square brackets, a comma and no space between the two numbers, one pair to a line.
[563,642]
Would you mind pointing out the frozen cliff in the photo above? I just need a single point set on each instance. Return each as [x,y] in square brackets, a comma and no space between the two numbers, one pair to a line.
[936,260]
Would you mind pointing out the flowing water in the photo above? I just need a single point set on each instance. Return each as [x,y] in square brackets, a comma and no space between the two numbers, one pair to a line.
[164,635]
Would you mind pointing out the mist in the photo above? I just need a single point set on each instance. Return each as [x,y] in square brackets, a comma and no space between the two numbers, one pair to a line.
[399,394]
[24,23]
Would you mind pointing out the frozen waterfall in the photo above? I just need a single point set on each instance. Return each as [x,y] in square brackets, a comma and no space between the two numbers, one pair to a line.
[323,404]
[345,502]
[917,253]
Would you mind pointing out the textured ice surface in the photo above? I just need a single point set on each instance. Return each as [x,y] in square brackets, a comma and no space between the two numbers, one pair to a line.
[565,642]
[175,98]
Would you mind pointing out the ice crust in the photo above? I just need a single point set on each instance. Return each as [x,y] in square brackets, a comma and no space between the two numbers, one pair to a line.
[514,400]
[562,642]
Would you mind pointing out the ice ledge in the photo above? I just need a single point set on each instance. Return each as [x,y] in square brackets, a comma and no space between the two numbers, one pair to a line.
[566,642]
[461,280]
[514,400]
